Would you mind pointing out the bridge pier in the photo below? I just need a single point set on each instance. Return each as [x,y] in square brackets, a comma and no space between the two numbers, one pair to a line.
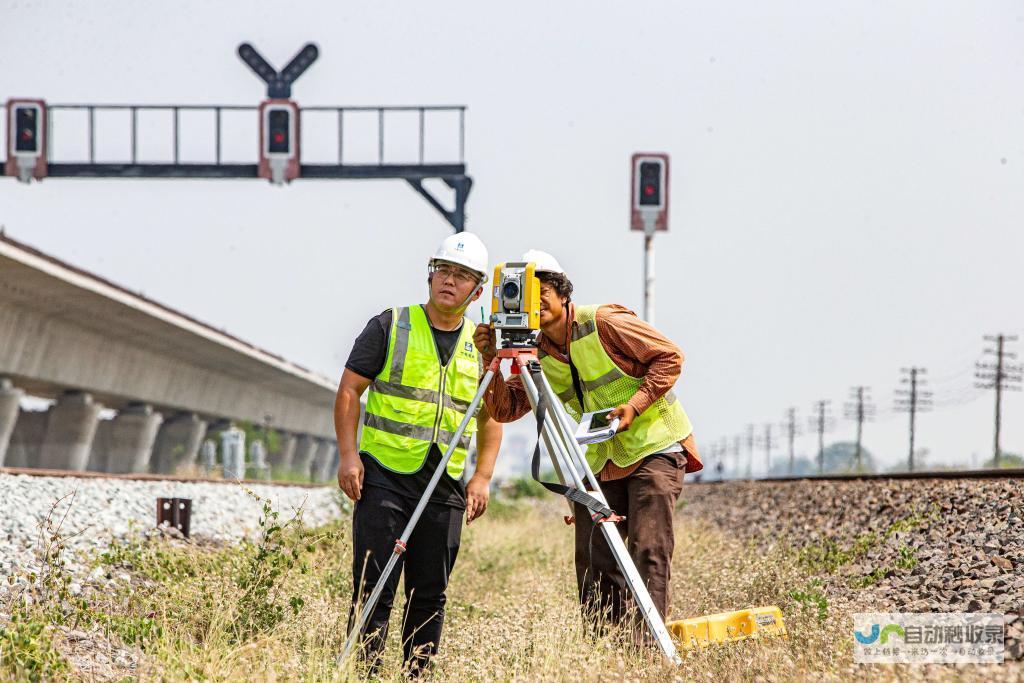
[324,464]
[281,460]
[10,403]
[177,443]
[305,451]
[124,445]
[23,450]
[70,427]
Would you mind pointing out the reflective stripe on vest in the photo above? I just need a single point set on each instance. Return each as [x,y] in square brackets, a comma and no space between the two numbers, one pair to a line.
[605,385]
[415,401]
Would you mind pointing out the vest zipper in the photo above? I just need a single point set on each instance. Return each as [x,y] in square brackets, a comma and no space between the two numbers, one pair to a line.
[444,374]
[440,403]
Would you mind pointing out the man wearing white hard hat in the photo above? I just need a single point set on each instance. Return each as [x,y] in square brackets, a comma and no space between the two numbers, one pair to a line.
[605,357]
[422,371]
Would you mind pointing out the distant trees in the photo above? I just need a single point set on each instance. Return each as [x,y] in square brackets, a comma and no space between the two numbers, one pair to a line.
[839,458]
[1006,461]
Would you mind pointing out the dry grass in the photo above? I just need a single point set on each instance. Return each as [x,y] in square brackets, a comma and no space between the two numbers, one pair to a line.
[512,612]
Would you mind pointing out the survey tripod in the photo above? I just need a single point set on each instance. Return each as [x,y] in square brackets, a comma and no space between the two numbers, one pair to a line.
[569,460]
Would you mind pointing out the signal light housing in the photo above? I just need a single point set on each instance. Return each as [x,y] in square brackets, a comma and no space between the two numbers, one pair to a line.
[649,192]
[26,139]
[279,141]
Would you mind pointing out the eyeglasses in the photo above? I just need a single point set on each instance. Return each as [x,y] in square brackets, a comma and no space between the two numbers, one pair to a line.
[460,275]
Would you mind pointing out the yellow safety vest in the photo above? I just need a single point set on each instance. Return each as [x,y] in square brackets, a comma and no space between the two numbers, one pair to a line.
[415,401]
[604,385]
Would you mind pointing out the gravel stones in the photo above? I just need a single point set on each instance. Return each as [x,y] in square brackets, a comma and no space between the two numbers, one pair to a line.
[949,545]
[103,509]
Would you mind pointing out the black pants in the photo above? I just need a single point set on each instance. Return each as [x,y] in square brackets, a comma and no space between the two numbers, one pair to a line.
[378,519]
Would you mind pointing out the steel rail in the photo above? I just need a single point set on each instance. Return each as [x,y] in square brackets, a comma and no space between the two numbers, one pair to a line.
[1006,473]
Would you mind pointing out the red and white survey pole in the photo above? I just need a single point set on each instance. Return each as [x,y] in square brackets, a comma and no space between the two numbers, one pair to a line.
[649,212]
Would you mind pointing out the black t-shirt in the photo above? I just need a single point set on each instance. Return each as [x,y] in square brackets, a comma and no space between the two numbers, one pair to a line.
[369,352]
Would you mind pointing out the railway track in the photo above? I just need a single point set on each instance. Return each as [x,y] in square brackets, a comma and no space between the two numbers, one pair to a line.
[1015,473]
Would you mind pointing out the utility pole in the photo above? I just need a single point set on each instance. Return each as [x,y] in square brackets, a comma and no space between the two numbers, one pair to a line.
[767,442]
[860,410]
[718,452]
[912,400]
[790,426]
[737,449]
[822,422]
[750,449]
[723,452]
[1000,376]
[715,456]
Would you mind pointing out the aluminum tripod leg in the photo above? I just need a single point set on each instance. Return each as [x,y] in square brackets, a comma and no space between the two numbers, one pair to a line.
[560,462]
[371,602]
[611,533]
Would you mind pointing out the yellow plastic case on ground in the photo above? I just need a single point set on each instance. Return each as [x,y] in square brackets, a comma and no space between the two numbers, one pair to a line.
[728,626]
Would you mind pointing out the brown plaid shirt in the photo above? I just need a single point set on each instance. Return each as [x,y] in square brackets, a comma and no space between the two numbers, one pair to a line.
[636,347]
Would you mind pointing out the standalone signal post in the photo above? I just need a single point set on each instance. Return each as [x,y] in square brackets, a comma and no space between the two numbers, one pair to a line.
[649,212]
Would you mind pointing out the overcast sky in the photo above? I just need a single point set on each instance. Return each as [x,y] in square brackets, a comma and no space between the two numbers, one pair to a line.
[847,187]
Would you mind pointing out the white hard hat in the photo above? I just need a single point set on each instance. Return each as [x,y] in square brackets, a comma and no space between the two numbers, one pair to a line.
[464,249]
[546,263]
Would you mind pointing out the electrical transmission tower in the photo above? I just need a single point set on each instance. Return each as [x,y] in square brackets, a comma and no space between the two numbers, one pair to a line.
[1001,376]
[822,422]
[859,409]
[912,400]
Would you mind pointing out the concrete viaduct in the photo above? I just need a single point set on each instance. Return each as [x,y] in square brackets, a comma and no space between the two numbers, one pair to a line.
[72,336]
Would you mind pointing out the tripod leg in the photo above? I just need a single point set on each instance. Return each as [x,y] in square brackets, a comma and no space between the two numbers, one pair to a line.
[371,602]
[560,460]
[618,547]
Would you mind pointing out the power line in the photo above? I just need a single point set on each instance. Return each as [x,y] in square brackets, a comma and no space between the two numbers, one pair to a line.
[1001,376]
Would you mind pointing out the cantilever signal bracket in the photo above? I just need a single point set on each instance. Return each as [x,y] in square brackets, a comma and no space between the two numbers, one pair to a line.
[461,184]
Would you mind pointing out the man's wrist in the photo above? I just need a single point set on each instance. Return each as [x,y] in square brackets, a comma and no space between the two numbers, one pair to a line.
[634,404]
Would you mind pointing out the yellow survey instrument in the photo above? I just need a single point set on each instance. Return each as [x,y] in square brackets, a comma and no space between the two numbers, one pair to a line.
[758,622]
[515,304]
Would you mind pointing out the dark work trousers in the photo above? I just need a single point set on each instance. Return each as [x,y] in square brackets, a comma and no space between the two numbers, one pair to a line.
[378,520]
[647,499]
